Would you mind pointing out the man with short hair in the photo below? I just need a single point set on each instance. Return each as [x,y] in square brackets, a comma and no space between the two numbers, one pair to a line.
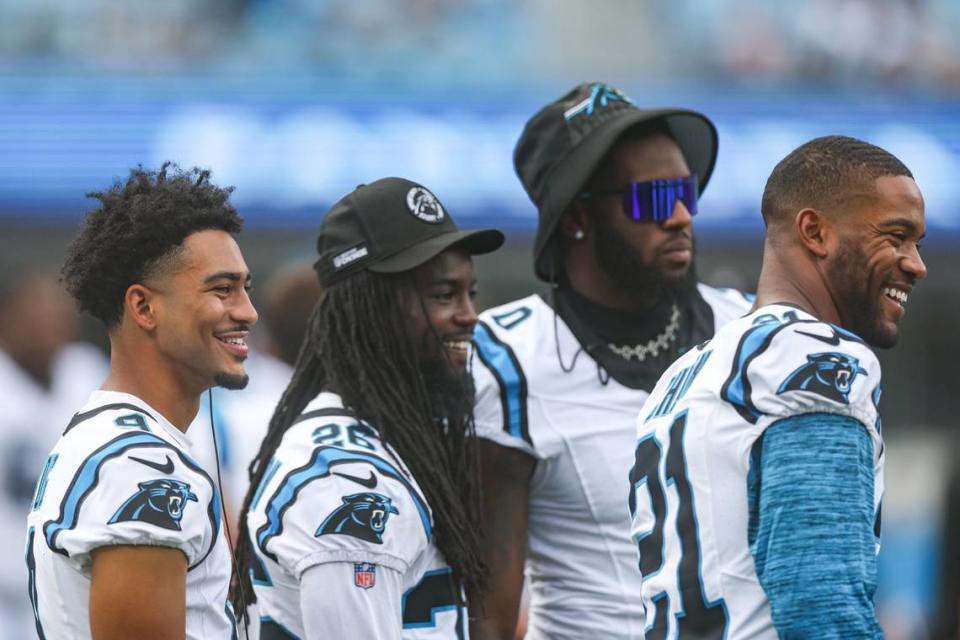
[125,535]
[560,378]
[362,515]
[756,490]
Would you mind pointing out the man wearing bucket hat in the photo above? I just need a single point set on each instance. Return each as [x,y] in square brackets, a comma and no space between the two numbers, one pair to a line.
[362,517]
[560,378]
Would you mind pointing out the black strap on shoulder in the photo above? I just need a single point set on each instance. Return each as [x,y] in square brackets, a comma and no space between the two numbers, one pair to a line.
[81,417]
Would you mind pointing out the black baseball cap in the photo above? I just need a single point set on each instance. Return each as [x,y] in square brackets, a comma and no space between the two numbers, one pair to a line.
[562,144]
[389,226]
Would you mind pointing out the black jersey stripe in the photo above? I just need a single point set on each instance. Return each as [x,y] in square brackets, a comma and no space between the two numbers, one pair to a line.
[81,417]
[338,412]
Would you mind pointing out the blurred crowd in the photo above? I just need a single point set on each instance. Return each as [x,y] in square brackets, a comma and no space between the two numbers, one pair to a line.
[838,43]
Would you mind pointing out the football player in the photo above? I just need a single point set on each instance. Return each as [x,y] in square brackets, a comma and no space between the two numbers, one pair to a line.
[759,466]
[125,538]
[362,516]
[560,378]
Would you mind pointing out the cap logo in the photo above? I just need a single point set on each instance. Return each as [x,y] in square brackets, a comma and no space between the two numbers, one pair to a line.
[424,205]
[600,96]
[349,256]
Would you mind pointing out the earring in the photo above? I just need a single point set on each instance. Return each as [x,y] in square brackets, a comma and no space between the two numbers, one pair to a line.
[578,234]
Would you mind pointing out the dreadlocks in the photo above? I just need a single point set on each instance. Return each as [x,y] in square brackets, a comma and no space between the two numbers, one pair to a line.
[359,324]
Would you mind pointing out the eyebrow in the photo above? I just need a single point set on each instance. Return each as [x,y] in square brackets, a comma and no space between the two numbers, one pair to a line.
[453,282]
[232,276]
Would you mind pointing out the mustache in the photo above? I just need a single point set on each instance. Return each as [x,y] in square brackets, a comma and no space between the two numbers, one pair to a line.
[677,240]
[243,326]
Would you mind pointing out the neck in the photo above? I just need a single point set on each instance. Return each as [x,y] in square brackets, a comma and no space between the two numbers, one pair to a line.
[149,377]
[792,276]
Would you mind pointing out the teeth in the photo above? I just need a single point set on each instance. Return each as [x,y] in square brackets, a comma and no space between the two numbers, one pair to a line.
[463,345]
[237,341]
[896,294]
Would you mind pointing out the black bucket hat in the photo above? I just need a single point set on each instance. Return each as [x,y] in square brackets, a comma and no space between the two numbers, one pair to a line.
[389,226]
[562,144]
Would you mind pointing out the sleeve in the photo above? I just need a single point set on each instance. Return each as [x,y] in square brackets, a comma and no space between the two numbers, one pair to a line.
[131,494]
[351,600]
[811,530]
[500,409]
[343,505]
[801,367]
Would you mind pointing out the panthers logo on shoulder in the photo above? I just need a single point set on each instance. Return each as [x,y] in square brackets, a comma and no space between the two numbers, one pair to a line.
[362,515]
[159,502]
[830,375]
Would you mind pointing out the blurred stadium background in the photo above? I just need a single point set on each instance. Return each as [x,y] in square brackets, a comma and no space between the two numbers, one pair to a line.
[295,102]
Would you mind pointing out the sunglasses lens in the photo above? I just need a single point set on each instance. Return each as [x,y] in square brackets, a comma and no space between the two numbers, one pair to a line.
[655,200]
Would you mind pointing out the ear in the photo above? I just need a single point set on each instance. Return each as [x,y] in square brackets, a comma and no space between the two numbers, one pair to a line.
[139,305]
[575,223]
[815,231]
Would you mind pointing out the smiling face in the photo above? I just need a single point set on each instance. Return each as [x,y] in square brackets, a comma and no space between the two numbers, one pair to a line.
[643,256]
[204,312]
[876,260]
[445,287]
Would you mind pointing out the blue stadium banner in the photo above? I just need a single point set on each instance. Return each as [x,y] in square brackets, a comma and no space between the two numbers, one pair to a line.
[289,160]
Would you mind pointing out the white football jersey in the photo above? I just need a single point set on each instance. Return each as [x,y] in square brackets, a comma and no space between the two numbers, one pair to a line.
[690,497]
[122,474]
[334,494]
[581,563]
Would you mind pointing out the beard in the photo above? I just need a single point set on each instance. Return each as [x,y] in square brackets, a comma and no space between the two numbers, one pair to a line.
[860,308]
[231,381]
[631,272]
[450,388]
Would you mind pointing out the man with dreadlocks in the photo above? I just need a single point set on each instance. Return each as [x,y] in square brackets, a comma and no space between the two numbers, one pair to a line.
[362,515]
[125,538]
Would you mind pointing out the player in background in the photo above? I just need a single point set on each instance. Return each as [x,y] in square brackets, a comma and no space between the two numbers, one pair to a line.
[125,535]
[362,516]
[240,418]
[759,463]
[560,378]
[45,375]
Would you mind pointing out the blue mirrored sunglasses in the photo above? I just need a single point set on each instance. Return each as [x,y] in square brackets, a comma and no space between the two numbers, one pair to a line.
[653,200]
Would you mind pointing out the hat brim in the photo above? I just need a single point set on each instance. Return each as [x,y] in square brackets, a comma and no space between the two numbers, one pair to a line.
[694,133]
[474,242]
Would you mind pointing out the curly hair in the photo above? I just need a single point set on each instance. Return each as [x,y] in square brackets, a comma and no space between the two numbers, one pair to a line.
[137,230]
[358,325]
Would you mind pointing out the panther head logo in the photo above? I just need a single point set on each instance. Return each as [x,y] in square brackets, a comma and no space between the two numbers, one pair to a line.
[159,502]
[362,515]
[829,374]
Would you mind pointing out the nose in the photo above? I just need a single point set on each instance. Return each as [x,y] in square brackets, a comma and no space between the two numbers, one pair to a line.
[466,314]
[244,311]
[913,264]
[680,218]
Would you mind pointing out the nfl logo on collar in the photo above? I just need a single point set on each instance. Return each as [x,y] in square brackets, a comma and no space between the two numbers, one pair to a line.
[364,575]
